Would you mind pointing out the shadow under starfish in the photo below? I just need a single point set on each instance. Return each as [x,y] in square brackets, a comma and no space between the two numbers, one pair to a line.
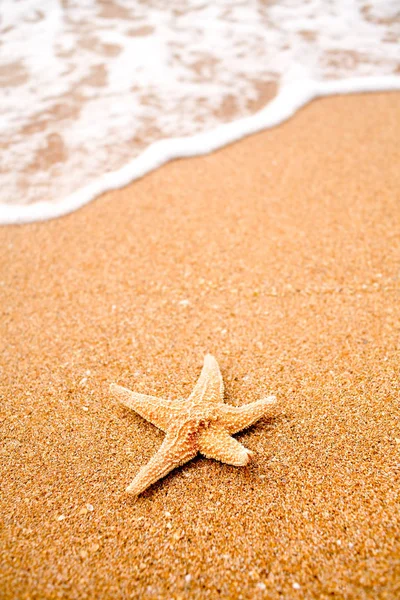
[202,423]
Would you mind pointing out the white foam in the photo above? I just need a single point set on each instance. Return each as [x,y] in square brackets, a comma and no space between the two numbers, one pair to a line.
[290,99]
[91,102]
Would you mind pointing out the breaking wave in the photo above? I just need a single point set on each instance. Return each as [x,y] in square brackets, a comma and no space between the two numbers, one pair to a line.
[97,93]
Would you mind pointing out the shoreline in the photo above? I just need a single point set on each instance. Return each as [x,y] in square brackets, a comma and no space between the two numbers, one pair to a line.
[291,98]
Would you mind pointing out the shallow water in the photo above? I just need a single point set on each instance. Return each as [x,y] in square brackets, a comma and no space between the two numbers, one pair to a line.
[87,87]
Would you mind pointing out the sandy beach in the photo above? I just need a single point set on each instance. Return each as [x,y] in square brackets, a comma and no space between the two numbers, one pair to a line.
[279,254]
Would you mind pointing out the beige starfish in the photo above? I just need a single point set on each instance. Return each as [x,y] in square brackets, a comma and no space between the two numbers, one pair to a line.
[202,423]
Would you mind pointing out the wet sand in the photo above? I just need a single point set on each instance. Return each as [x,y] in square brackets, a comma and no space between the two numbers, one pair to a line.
[280,255]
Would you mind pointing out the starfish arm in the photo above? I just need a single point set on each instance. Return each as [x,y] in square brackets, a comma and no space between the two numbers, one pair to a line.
[158,411]
[218,444]
[209,386]
[236,418]
[178,448]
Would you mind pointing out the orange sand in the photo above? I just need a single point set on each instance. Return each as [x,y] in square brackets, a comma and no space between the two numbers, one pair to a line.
[287,248]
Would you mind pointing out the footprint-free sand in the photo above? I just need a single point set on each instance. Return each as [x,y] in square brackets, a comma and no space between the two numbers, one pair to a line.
[281,256]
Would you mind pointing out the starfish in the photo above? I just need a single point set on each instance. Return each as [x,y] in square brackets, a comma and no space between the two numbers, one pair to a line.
[202,423]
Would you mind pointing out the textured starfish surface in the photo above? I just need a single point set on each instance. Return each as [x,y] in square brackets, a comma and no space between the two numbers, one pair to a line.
[202,423]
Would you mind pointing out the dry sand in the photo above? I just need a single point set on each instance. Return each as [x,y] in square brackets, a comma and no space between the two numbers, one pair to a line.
[281,256]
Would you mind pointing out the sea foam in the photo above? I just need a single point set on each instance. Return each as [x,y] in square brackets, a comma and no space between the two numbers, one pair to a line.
[96,95]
